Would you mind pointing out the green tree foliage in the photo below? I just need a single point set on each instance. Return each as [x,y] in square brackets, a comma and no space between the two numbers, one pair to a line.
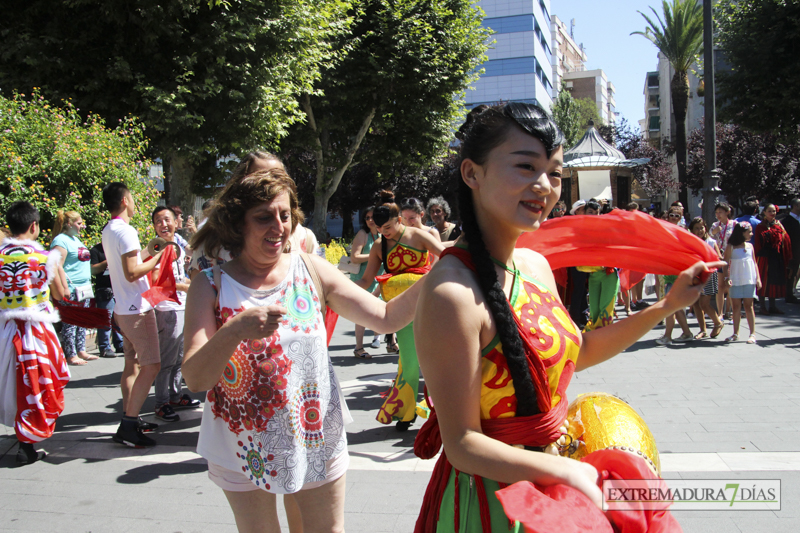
[679,36]
[573,116]
[209,79]
[54,159]
[396,95]
[751,164]
[760,40]
[566,116]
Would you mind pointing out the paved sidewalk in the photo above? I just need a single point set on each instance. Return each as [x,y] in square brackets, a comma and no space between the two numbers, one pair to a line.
[716,410]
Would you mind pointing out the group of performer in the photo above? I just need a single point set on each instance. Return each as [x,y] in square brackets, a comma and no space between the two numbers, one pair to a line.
[485,324]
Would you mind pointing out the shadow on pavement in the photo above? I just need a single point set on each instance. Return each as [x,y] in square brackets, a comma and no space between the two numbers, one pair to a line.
[110,380]
[147,473]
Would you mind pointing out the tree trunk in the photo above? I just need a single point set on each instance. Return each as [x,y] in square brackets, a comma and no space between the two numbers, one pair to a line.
[347,224]
[167,181]
[181,174]
[326,185]
[679,87]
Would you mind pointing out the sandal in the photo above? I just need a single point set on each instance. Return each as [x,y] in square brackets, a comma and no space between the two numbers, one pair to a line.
[716,331]
[751,339]
[701,335]
[88,357]
[393,348]
[361,353]
[732,338]
[76,361]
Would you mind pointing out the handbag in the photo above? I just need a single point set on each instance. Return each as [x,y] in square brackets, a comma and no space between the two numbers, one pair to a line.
[82,292]
[346,265]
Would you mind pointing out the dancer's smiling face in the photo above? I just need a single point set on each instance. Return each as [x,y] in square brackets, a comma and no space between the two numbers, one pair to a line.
[518,184]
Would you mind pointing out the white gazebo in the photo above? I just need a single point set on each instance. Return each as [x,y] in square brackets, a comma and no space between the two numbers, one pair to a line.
[595,169]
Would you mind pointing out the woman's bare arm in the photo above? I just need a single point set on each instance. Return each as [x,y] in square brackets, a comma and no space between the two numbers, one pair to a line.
[373,266]
[604,343]
[355,249]
[361,307]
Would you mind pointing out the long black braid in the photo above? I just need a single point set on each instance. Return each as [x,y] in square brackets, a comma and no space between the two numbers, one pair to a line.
[486,128]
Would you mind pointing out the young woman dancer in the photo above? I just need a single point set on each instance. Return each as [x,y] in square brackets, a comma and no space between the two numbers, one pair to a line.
[405,254]
[495,342]
[744,278]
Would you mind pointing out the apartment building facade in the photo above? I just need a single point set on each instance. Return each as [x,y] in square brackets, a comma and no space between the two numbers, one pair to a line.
[519,65]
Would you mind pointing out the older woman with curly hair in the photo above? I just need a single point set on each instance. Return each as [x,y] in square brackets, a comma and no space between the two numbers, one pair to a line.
[255,338]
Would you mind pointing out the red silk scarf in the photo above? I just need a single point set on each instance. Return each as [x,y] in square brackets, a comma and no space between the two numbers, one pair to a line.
[621,239]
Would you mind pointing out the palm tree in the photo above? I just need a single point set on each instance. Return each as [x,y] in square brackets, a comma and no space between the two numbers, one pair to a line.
[680,38]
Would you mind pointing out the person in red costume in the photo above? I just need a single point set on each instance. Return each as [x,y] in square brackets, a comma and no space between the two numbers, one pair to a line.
[496,345]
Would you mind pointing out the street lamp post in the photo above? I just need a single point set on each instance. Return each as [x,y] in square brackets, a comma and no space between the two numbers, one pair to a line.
[711,179]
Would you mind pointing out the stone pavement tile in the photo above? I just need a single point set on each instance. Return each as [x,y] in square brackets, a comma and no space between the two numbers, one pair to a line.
[369,522]
[29,522]
[406,522]
[695,524]
[755,427]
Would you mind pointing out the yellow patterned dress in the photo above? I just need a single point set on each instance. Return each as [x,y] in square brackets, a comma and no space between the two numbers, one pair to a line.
[469,502]
[405,266]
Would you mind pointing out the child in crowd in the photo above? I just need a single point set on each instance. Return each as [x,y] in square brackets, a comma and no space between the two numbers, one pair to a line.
[33,369]
[703,305]
[743,278]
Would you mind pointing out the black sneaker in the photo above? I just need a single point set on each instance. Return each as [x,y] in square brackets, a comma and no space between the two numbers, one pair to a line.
[167,413]
[27,455]
[134,439]
[185,402]
[146,427]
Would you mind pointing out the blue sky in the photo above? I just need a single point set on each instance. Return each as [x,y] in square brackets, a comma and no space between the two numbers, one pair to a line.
[604,27]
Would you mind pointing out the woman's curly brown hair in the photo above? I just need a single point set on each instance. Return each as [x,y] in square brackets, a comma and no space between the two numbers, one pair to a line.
[225,223]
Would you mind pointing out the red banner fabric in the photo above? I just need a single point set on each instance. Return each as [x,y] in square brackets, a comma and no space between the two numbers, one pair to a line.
[163,286]
[620,239]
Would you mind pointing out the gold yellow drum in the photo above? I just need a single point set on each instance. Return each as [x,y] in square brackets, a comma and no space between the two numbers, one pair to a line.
[597,421]
[396,285]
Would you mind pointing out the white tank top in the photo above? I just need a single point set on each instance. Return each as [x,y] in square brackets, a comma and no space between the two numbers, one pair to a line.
[276,412]
[743,268]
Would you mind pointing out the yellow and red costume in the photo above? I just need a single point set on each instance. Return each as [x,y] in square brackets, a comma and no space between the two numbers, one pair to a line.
[33,369]
[458,501]
[404,266]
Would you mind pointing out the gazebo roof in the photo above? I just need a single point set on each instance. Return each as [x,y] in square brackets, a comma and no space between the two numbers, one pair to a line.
[594,152]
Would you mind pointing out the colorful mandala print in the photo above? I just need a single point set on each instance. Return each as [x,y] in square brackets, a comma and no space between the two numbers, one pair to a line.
[303,308]
[253,385]
[307,415]
[256,465]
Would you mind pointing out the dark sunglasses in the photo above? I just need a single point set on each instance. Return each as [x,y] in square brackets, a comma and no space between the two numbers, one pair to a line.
[674,216]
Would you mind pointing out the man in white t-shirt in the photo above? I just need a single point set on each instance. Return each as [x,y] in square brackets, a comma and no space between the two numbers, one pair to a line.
[134,314]
[169,319]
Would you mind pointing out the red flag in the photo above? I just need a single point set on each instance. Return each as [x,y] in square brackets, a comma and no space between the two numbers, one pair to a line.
[163,286]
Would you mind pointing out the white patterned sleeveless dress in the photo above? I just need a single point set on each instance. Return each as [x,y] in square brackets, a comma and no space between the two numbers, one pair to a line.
[275,415]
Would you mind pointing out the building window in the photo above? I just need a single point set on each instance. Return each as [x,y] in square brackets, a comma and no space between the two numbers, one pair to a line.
[655,124]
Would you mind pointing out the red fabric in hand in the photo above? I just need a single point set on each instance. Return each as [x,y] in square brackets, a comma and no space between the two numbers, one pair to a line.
[565,509]
[163,287]
[621,239]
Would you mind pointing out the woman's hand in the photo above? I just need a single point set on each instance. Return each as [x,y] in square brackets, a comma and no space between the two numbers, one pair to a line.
[758,284]
[259,322]
[687,288]
[583,477]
